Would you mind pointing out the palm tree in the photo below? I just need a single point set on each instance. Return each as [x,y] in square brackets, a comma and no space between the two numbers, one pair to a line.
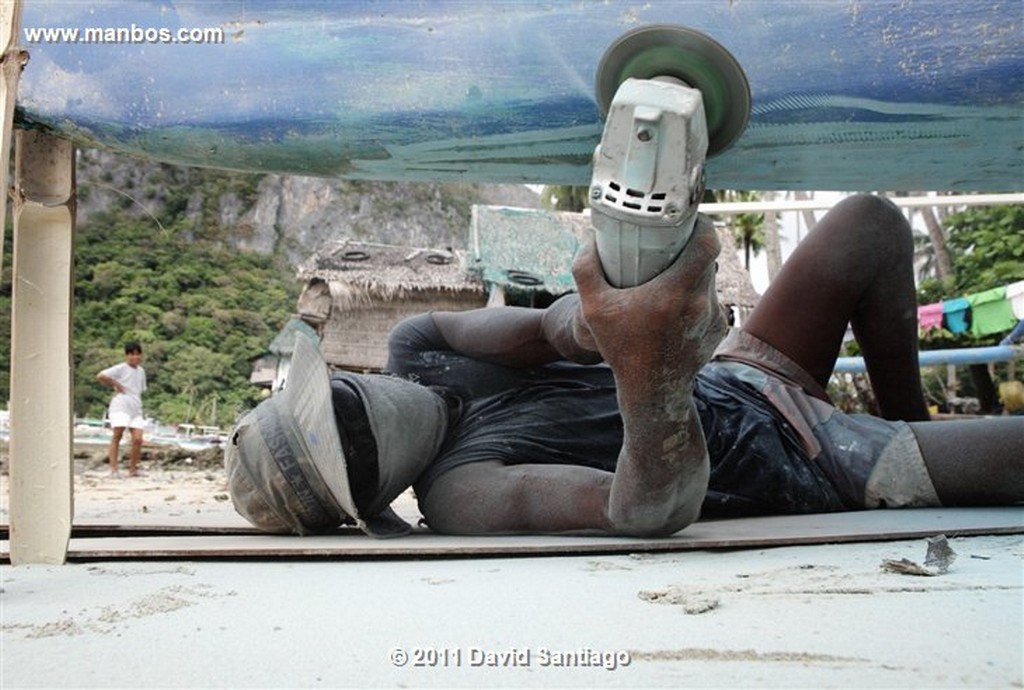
[807,214]
[770,232]
[747,228]
[934,257]
[924,257]
[943,261]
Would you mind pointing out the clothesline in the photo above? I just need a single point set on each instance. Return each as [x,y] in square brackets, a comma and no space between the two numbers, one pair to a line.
[982,313]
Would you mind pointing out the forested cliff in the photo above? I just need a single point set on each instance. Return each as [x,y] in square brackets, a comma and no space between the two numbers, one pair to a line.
[199,266]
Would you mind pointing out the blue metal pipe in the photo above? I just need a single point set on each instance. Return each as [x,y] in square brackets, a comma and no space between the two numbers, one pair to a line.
[930,358]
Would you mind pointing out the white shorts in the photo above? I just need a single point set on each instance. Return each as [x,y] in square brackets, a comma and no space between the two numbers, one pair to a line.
[123,419]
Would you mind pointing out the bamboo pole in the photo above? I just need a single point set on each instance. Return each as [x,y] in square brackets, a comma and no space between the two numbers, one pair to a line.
[41,477]
[12,61]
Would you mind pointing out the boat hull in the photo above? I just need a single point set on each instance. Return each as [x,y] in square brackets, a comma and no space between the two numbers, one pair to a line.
[907,95]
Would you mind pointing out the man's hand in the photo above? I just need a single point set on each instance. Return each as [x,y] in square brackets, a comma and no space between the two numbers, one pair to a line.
[107,381]
[564,328]
[672,322]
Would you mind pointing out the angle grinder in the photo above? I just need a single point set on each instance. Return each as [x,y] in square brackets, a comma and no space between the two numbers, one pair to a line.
[671,97]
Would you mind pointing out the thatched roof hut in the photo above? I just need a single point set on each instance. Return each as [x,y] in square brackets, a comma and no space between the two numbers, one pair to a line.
[270,369]
[357,291]
[735,288]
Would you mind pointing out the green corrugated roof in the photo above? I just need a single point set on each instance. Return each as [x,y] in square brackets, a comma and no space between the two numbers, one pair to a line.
[523,249]
[284,342]
[509,243]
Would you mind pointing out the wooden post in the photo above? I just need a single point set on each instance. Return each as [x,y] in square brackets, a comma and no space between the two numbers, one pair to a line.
[12,60]
[496,296]
[41,485]
[951,382]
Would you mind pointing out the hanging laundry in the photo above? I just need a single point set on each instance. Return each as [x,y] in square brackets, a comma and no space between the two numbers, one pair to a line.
[929,316]
[1015,293]
[955,314]
[990,312]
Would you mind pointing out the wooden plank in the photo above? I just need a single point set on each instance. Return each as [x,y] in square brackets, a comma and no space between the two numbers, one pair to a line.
[833,528]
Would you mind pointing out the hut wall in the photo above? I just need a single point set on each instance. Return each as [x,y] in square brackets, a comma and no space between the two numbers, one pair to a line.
[357,338]
[263,371]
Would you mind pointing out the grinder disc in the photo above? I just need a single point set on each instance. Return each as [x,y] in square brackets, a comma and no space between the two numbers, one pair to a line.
[702,63]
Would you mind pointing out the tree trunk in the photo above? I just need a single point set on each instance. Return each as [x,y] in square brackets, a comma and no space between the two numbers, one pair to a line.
[866,394]
[807,214]
[984,387]
[772,249]
[943,261]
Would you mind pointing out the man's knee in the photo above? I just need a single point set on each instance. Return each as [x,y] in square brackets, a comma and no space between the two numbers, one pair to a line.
[877,213]
[879,225]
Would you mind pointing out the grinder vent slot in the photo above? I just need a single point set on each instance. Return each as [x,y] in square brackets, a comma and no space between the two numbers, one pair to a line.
[634,199]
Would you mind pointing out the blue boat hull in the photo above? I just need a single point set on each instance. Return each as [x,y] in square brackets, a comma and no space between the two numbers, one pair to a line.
[907,95]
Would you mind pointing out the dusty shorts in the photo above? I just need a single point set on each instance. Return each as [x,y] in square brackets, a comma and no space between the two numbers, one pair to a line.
[874,462]
[125,420]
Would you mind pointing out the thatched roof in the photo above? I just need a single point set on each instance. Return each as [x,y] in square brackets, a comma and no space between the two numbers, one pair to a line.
[508,244]
[526,250]
[732,280]
[387,271]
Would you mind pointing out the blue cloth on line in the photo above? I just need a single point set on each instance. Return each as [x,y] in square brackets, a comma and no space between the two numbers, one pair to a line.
[954,314]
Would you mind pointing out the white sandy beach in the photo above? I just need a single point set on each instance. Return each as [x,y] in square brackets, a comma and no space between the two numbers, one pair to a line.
[793,616]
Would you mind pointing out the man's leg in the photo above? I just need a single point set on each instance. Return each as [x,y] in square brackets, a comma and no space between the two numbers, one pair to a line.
[855,267]
[115,448]
[976,461]
[136,452]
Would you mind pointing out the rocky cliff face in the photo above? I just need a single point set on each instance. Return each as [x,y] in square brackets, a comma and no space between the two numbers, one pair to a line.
[302,213]
[288,214]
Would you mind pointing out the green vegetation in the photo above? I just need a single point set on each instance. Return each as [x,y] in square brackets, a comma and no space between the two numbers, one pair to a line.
[565,198]
[987,248]
[986,245]
[201,308]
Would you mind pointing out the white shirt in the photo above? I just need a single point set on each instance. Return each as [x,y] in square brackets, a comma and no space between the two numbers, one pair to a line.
[133,380]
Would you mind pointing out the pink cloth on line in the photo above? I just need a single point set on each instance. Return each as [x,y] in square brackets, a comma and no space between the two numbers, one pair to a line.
[929,316]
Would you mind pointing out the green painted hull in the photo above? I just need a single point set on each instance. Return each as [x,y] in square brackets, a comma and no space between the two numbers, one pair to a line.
[880,95]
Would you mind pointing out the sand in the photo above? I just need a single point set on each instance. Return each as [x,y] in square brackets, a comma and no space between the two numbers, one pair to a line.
[797,616]
[809,616]
[172,483]
[174,486]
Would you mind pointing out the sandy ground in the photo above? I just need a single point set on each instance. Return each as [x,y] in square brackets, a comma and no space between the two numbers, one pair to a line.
[174,486]
[809,616]
[798,616]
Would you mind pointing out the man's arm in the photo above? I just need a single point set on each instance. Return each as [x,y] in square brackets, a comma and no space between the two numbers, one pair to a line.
[108,381]
[656,337]
[520,336]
